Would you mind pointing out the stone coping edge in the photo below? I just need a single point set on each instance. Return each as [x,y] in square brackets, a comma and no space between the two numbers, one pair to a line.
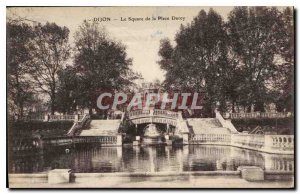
[158,174]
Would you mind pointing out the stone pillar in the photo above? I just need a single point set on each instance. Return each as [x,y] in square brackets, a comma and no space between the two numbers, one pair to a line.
[219,165]
[151,115]
[269,162]
[168,141]
[167,137]
[168,128]
[251,173]
[185,138]
[119,140]
[268,146]
[46,118]
[119,152]
[151,112]
[57,176]
[135,143]
[137,140]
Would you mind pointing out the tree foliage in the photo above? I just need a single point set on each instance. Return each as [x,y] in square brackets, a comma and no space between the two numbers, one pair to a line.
[20,92]
[68,91]
[51,51]
[198,61]
[243,61]
[101,62]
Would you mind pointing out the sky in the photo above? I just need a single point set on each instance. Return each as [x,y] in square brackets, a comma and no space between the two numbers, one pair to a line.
[140,37]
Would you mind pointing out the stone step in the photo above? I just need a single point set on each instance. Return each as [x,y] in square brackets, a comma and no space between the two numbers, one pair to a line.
[102,128]
[207,126]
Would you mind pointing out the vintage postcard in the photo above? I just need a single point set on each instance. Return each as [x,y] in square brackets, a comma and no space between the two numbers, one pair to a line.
[150,97]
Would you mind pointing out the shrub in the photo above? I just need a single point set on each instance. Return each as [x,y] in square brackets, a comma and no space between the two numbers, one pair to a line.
[284,126]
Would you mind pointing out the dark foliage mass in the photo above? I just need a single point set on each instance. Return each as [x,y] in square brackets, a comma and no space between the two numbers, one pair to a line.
[283,126]
[246,61]
[40,66]
[40,129]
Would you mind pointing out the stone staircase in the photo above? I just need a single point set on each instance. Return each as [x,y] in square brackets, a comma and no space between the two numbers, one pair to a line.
[206,126]
[102,128]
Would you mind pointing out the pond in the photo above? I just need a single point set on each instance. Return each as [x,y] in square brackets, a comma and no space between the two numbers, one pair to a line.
[151,159]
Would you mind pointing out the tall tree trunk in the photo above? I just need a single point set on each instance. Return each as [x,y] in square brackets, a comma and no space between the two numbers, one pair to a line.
[52,108]
[52,101]
[18,97]
[53,95]
[21,109]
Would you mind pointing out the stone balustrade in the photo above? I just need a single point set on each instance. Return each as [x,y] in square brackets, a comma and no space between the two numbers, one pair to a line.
[79,123]
[138,113]
[280,142]
[283,144]
[103,140]
[225,123]
[267,143]
[155,112]
[61,117]
[248,141]
[46,118]
[257,115]
[210,138]
[166,113]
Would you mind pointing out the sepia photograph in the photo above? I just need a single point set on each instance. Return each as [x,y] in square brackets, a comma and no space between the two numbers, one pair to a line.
[150,97]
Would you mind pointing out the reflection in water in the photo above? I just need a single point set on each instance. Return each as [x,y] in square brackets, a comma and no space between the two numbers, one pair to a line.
[152,159]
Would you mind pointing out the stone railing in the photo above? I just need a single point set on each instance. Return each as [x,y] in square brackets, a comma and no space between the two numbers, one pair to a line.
[155,112]
[61,117]
[138,113]
[78,124]
[46,118]
[63,141]
[97,139]
[80,117]
[115,140]
[107,139]
[257,115]
[165,113]
[225,123]
[283,144]
[211,138]
[256,142]
[280,142]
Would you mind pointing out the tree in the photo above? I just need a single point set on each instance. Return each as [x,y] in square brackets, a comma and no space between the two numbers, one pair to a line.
[255,34]
[51,51]
[198,61]
[68,91]
[102,63]
[286,69]
[165,52]
[19,38]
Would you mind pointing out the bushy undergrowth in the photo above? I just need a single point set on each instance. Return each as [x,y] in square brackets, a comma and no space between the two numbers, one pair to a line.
[279,125]
[44,129]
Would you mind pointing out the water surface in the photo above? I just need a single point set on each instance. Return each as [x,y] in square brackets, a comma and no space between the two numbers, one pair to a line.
[151,159]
